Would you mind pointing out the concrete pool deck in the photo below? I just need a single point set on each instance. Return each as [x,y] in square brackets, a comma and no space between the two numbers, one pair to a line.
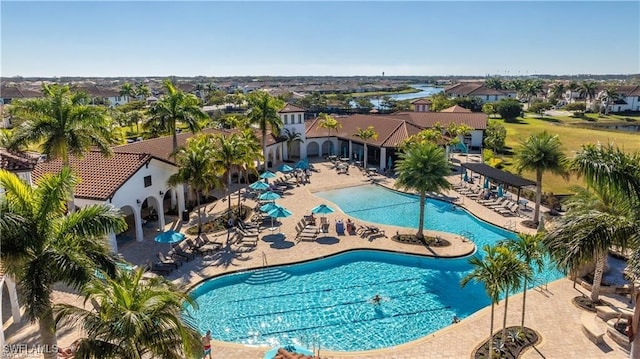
[549,311]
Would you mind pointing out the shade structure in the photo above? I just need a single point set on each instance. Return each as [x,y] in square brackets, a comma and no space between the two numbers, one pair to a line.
[259,185]
[268,174]
[302,165]
[269,196]
[285,168]
[170,237]
[279,212]
[500,190]
[269,207]
[322,209]
[271,354]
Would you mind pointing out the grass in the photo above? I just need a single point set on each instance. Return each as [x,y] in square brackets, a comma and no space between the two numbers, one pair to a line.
[572,138]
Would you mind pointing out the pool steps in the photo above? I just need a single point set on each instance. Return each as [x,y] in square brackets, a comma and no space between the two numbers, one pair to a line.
[268,275]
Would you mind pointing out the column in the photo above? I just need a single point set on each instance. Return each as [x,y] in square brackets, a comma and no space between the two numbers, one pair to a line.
[160,210]
[350,150]
[383,158]
[138,219]
[113,243]
[13,298]
[174,199]
[179,190]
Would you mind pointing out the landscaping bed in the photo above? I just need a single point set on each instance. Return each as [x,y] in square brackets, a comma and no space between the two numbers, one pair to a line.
[427,241]
[220,222]
[518,339]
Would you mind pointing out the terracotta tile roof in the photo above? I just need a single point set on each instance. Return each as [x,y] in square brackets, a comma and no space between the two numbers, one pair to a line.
[291,108]
[97,91]
[456,108]
[101,176]
[475,120]
[14,92]
[391,131]
[421,101]
[17,162]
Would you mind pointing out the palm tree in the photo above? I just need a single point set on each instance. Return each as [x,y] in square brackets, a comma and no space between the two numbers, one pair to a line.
[531,89]
[422,167]
[529,248]
[595,221]
[176,106]
[291,137]
[196,169]
[366,135]
[610,94]
[541,152]
[587,89]
[133,318]
[142,91]
[264,112]
[127,90]
[487,271]
[249,153]
[45,246]
[331,124]
[228,156]
[557,90]
[513,272]
[61,124]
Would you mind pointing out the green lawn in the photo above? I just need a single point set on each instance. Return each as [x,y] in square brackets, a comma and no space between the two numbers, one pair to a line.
[572,138]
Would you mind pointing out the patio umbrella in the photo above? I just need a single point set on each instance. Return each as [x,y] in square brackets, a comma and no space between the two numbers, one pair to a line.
[322,209]
[169,237]
[500,190]
[269,207]
[486,182]
[302,165]
[466,176]
[389,162]
[269,196]
[267,174]
[259,185]
[285,168]
[279,212]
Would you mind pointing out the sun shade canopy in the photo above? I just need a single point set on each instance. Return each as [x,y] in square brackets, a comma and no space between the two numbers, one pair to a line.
[499,176]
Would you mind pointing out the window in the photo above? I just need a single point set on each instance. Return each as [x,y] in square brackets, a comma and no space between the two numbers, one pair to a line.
[299,118]
[286,117]
[147,181]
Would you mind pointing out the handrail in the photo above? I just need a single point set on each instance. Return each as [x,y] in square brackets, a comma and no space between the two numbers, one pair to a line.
[264,259]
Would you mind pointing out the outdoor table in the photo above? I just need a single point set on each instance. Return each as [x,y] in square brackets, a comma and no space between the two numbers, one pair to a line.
[344,159]
[359,163]
[524,203]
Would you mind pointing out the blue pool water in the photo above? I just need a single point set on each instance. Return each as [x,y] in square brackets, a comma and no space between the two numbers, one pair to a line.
[326,303]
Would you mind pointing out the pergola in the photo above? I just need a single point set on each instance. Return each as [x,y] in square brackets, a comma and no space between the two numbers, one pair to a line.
[499,176]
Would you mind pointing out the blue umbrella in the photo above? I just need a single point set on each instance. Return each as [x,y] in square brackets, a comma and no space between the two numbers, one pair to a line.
[259,185]
[500,190]
[169,237]
[486,182]
[267,174]
[302,165]
[466,176]
[279,212]
[389,162]
[322,209]
[269,207]
[269,196]
[360,158]
[285,168]
[271,354]
[462,147]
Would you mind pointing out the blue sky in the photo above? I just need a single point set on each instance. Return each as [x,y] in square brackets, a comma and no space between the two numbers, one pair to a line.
[210,38]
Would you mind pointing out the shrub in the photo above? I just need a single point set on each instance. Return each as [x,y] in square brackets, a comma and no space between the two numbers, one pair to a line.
[538,107]
[509,109]
[578,114]
[576,106]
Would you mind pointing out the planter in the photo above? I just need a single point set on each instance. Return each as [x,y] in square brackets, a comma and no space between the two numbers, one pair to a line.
[614,328]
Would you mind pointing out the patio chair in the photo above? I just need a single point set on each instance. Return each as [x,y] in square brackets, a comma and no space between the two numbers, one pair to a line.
[492,202]
[168,260]
[306,225]
[306,236]
[158,268]
[511,210]
[500,205]
[203,247]
[324,224]
[185,253]
[248,233]
[340,228]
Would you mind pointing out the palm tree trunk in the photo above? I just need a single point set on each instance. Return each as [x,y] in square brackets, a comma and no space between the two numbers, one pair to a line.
[229,190]
[601,257]
[48,335]
[175,140]
[504,319]
[524,302]
[264,149]
[364,160]
[493,307]
[536,212]
[198,195]
[420,233]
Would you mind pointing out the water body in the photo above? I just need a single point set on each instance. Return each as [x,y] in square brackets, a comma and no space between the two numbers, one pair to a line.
[425,91]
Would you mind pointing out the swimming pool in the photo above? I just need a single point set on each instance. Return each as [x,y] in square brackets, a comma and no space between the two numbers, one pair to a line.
[327,303]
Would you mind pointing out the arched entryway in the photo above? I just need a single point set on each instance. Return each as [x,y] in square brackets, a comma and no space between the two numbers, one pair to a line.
[313,149]
[328,148]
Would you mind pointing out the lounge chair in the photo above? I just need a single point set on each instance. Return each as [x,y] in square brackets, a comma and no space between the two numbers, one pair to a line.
[185,253]
[510,210]
[168,260]
[340,228]
[159,268]
[305,225]
[492,202]
[324,225]
[248,233]
[201,246]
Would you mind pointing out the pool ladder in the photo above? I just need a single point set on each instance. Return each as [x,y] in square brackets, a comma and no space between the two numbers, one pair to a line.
[466,235]
[264,259]
[511,225]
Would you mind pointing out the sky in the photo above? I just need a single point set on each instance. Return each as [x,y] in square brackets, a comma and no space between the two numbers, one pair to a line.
[327,38]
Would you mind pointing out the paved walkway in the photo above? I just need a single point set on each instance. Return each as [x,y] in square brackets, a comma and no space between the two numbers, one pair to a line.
[549,311]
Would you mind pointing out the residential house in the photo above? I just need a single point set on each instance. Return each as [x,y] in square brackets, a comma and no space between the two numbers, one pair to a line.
[478,90]
[101,95]
[10,93]
[421,105]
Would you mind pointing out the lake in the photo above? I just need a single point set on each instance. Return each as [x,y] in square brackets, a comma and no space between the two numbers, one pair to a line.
[425,91]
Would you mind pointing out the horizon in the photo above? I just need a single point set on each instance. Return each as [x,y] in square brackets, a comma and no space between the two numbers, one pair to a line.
[319,39]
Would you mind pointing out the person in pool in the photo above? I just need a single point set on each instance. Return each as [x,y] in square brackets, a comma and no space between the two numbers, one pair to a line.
[206,343]
[376,299]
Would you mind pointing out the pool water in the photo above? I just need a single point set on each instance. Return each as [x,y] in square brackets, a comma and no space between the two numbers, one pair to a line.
[326,303]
